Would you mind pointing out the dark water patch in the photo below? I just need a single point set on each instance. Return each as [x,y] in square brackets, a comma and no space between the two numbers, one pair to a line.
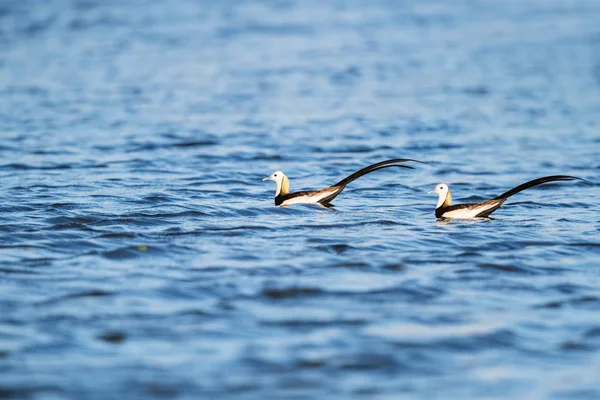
[507,268]
[582,301]
[49,152]
[69,245]
[120,235]
[570,288]
[69,226]
[410,292]
[16,208]
[477,91]
[316,324]
[37,262]
[50,167]
[451,339]
[593,333]
[197,312]
[18,270]
[349,76]
[583,394]
[574,346]
[43,191]
[339,248]
[264,157]
[93,293]
[368,362]
[113,337]
[8,148]
[394,267]
[182,214]
[426,148]
[24,246]
[585,245]
[497,245]
[290,293]
[228,231]
[469,253]
[132,252]
[156,198]
[66,221]
[28,391]
[197,143]
[494,340]
[361,149]
[132,221]
[68,206]
[350,265]
[154,146]
[27,167]
[334,226]
[310,364]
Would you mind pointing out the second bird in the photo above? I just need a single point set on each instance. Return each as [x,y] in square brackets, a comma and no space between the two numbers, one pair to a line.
[445,208]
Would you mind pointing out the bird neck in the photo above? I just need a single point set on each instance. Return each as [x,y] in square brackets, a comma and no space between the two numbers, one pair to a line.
[448,201]
[285,186]
[445,201]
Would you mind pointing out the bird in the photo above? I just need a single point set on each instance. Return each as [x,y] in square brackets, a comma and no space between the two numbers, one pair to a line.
[283,197]
[445,209]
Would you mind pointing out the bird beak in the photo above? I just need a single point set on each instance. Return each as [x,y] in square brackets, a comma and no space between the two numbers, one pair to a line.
[268,178]
[431,191]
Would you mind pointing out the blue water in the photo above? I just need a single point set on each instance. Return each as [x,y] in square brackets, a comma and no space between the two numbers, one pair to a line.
[141,255]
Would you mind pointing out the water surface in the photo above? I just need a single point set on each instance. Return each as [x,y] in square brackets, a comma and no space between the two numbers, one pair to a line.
[141,255]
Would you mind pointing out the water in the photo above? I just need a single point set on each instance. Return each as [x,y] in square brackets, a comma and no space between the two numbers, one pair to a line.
[141,255]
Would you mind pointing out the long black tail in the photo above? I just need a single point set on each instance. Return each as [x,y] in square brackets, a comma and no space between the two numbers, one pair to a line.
[536,182]
[371,168]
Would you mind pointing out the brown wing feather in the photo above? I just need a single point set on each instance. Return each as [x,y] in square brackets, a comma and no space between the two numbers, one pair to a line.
[493,206]
[326,200]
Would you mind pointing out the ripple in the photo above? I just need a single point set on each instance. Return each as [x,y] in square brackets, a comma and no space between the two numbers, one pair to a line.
[508,268]
[335,248]
[131,252]
[290,293]
[591,301]
[113,337]
[88,293]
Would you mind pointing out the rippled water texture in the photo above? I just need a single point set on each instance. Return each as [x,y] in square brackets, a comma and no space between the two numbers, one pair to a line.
[141,255]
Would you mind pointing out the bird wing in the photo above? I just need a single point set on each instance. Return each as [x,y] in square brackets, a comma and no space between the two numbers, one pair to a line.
[322,196]
[477,210]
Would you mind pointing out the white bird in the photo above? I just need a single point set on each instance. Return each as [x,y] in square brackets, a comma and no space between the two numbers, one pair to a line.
[445,209]
[283,197]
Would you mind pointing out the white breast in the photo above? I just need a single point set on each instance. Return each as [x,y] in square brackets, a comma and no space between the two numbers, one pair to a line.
[299,200]
[471,212]
[461,213]
[311,198]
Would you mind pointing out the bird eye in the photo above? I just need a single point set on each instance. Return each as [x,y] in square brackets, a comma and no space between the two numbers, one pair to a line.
[275,175]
